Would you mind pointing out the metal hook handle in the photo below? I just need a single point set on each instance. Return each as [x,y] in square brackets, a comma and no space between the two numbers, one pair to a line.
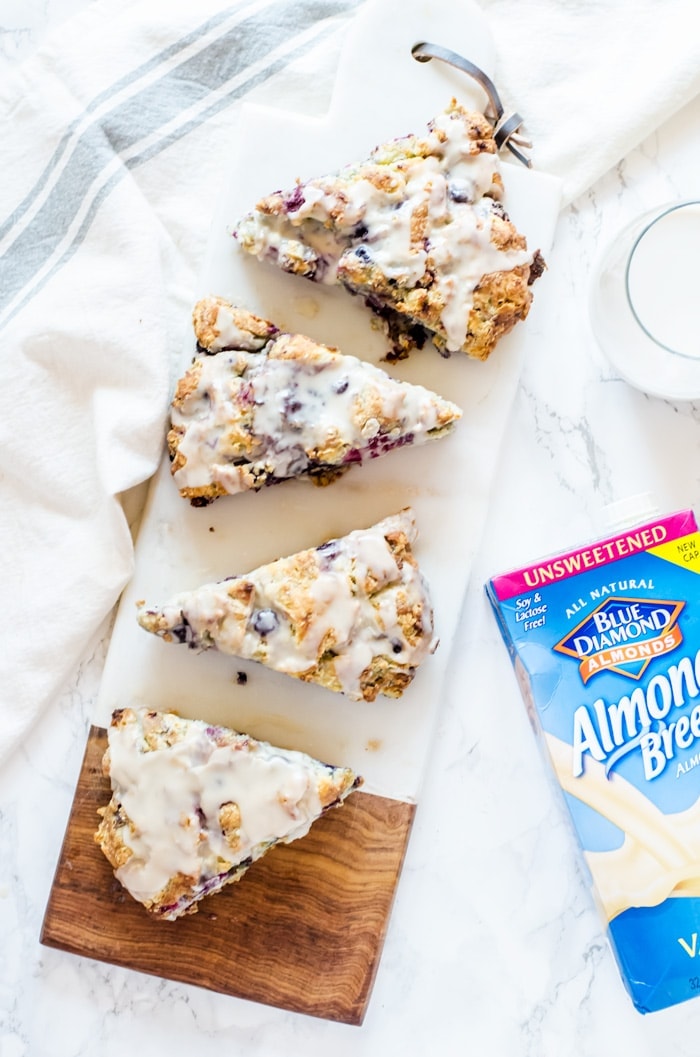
[506,129]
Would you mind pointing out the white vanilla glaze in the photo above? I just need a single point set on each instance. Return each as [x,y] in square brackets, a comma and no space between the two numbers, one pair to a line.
[172,794]
[451,181]
[344,597]
[660,854]
[255,415]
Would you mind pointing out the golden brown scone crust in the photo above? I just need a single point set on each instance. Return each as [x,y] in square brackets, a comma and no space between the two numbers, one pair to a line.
[205,318]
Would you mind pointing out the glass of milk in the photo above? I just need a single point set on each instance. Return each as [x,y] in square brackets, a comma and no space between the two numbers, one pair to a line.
[645,298]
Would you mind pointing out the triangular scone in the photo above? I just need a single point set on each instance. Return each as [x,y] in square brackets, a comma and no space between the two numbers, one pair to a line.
[353,614]
[259,406]
[418,229]
[194,805]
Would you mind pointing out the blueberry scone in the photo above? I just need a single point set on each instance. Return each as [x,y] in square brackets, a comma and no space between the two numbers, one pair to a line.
[258,406]
[194,805]
[353,614]
[418,229]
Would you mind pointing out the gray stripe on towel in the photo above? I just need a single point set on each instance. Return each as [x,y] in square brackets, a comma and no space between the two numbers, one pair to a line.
[144,114]
[118,86]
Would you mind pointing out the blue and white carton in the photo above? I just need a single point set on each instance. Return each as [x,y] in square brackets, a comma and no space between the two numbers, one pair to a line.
[605,641]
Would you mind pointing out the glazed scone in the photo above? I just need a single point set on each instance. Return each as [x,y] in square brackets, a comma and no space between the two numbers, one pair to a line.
[194,805]
[417,229]
[353,614]
[258,406]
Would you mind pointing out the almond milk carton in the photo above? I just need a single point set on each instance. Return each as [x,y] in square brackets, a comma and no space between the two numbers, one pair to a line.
[605,641]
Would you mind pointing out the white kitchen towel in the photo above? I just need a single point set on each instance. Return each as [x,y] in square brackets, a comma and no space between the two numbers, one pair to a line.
[593,78]
[113,145]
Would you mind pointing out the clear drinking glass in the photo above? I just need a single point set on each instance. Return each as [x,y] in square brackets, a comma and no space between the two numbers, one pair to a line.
[645,301]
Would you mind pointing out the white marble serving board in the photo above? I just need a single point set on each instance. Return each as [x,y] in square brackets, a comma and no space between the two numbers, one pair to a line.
[381,93]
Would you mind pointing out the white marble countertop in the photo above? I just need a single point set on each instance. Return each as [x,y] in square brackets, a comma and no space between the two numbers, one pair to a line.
[494,946]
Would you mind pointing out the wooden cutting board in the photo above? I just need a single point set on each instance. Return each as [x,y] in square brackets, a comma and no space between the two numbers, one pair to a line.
[304,930]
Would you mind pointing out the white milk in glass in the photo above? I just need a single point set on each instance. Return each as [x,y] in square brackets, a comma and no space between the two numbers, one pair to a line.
[662,279]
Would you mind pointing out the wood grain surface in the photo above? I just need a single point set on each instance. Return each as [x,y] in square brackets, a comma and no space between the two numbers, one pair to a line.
[303,931]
